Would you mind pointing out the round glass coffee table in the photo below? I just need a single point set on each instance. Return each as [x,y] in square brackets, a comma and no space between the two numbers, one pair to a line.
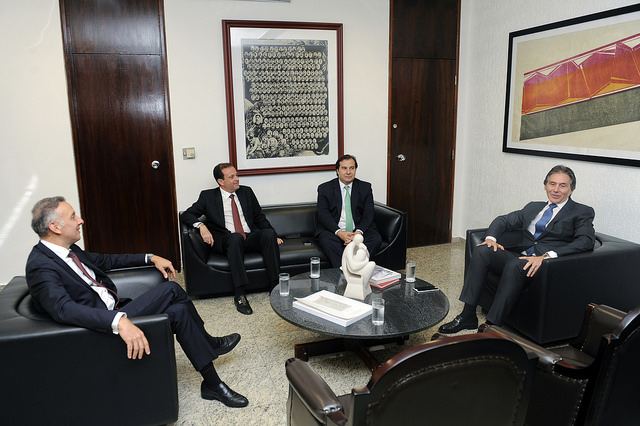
[406,312]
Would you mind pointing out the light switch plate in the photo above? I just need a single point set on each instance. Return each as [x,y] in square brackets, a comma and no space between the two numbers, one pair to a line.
[188,153]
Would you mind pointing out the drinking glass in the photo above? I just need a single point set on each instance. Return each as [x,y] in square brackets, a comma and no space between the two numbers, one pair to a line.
[315,267]
[377,316]
[410,272]
[284,284]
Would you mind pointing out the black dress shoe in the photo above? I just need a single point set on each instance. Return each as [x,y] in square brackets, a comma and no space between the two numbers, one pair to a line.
[458,324]
[242,305]
[224,344]
[224,394]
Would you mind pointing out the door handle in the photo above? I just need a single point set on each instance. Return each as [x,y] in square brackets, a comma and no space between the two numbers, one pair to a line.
[401,157]
[155,164]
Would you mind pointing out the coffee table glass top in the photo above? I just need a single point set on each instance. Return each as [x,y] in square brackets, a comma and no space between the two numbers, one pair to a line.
[406,311]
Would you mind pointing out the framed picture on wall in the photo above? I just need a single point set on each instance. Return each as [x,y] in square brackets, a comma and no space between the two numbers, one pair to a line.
[284,95]
[573,89]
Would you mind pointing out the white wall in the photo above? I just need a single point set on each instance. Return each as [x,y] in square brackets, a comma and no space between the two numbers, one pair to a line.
[198,110]
[490,182]
[35,131]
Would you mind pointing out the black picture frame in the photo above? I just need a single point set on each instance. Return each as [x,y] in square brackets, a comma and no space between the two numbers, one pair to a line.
[573,89]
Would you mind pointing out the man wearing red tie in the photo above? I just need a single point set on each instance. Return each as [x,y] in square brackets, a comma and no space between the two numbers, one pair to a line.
[517,244]
[235,224]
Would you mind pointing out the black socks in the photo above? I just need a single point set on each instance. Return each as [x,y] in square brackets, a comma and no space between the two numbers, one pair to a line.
[469,311]
[210,375]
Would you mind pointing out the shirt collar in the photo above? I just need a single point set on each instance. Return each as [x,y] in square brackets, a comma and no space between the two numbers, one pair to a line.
[559,205]
[61,252]
[225,194]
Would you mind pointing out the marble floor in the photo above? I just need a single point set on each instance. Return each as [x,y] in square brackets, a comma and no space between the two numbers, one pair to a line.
[255,367]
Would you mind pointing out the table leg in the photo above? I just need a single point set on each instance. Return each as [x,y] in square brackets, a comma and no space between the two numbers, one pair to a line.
[360,347]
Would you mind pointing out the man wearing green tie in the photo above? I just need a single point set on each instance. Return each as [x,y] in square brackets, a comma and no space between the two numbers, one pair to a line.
[345,207]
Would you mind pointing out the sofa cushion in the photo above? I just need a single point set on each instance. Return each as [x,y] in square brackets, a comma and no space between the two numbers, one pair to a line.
[292,220]
[294,251]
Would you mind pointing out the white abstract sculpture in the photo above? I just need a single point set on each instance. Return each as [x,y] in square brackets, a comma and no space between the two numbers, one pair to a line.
[357,269]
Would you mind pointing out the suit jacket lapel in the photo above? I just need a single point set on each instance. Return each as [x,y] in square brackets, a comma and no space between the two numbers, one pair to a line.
[244,203]
[62,264]
[337,193]
[565,212]
[101,276]
[218,209]
[532,212]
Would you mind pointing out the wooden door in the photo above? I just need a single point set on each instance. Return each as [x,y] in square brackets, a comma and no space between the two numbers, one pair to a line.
[117,80]
[422,116]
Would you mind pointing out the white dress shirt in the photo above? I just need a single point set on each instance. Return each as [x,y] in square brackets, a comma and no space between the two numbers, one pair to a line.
[228,215]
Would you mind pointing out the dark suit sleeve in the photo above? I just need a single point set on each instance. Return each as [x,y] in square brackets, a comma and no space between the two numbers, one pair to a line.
[584,235]
[258,217]
[107,262]
[46,286]
[367,212]
[326,218]
[509,222]
[193,213]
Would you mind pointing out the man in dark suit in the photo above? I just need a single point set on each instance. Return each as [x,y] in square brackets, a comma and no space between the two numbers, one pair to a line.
[71,286]
[518,243]
[234,224]
[345,208]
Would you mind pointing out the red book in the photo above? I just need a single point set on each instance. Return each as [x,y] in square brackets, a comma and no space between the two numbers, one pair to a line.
[385,284]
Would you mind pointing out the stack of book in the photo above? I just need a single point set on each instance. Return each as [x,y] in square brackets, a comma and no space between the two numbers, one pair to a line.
[333,307]
[383,277]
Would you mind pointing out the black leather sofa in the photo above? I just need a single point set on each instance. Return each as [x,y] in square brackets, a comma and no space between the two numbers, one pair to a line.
[55,374]
[552,307]
[206,273]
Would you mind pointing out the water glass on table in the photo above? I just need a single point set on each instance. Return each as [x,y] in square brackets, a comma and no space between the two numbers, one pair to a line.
[410,272]
[314,267]
[284,284]
[377,314]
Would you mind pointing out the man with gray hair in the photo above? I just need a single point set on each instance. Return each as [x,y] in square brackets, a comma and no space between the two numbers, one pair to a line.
[72,286]
[517,244]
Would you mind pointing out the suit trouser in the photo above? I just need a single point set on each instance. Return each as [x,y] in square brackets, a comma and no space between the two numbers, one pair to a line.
[332,246]
[513,280]
[169,298]
[234,246]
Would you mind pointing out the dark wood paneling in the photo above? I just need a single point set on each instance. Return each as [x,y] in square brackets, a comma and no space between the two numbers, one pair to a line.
[424,29]
[424,112]
[114,26]
[122,128]
[121,124]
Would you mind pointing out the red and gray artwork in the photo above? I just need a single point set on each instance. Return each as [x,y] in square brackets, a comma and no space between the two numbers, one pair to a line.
[596,88]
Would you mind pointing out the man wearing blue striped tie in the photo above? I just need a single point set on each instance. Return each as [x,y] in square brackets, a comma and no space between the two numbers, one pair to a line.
[517,244]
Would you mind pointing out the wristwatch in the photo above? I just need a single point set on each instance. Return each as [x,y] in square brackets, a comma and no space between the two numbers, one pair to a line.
[147,257]
[546,256]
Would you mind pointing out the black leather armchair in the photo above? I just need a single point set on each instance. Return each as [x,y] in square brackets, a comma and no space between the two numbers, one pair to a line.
[460,380]
[207,273]
[551,308]
[591,379]
[59,374]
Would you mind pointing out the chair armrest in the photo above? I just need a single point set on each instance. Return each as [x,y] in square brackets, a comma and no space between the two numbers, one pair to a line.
[312,390]
[55,363]
[599,320]
[132,282]
[546,357]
